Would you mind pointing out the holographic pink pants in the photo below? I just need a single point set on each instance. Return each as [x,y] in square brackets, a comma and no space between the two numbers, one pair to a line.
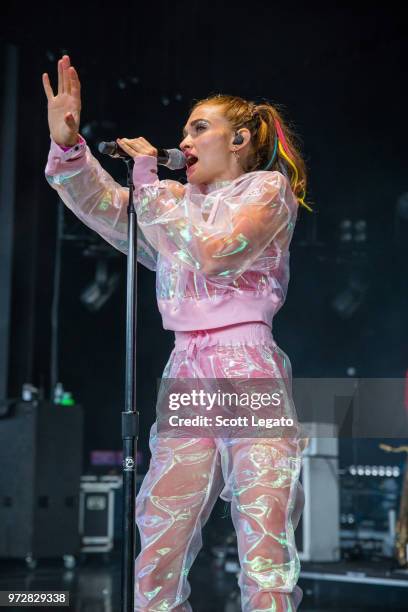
[259,476]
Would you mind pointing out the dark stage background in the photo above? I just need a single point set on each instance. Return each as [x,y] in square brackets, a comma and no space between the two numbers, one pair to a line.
[340,73]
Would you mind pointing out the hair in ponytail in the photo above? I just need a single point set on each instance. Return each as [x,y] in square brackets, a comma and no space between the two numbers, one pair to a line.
[274,145]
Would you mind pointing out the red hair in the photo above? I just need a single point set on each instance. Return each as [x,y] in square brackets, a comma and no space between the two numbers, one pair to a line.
[269,133]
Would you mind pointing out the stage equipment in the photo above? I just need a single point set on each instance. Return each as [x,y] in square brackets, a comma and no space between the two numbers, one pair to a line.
[401,530]
[130,416]
[41,465]
[347,302]
[318,532]
[97,512]
[102,288]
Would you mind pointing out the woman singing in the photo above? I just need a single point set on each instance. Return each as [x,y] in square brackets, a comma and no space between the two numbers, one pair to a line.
[219,245]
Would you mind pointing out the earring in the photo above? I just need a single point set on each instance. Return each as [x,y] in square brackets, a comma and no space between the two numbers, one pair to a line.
[235,152]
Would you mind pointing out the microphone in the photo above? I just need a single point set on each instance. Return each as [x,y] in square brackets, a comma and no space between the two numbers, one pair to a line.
[174,159]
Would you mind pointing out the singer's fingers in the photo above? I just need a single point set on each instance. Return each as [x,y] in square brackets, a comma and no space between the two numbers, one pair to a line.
[75,82]
[75,86]
[139,145]
[67,80]
[70,121]
[144,140]
[142,143]
[47,86]
[60,78]
[130,150]
[123,145]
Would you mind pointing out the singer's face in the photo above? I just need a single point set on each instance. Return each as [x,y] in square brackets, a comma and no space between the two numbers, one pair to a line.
[208,136]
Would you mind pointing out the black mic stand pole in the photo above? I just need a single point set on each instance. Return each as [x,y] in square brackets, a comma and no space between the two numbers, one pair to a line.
[130,417]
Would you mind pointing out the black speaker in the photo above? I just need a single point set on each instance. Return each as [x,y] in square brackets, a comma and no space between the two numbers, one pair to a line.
[41,466]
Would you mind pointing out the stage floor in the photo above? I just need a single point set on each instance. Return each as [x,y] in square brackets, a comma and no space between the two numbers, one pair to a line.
[94,585]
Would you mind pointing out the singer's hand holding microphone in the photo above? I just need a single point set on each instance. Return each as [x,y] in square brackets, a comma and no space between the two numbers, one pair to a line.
[135,147]
[127,148]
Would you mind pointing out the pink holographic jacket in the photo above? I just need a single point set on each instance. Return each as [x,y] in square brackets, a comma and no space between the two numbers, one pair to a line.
[220,251]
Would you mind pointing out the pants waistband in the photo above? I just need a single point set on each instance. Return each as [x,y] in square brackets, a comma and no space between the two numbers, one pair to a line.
[232,335]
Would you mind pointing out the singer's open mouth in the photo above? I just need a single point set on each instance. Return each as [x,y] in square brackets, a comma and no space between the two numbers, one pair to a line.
[191,160]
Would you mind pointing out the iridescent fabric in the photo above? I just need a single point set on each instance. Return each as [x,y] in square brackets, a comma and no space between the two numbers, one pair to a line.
[221,256]
[220,251]
[259,476]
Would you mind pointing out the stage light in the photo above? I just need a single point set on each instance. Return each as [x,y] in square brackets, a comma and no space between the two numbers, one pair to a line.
[352,232]
[101,289]
[345,233]
[390,471]
[360,231]
[347,302]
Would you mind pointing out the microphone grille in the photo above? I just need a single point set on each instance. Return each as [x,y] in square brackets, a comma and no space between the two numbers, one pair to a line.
[108,148]
[177,159]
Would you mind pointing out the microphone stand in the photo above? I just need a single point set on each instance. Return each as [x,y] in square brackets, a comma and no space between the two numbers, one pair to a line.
[130,417]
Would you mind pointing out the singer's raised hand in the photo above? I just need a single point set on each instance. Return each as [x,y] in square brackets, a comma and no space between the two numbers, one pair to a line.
[64,109]
[137,146]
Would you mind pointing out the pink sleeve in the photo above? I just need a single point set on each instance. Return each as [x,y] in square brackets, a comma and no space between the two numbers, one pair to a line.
[73,146]
[144,171]
[60,157]
[96,198]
